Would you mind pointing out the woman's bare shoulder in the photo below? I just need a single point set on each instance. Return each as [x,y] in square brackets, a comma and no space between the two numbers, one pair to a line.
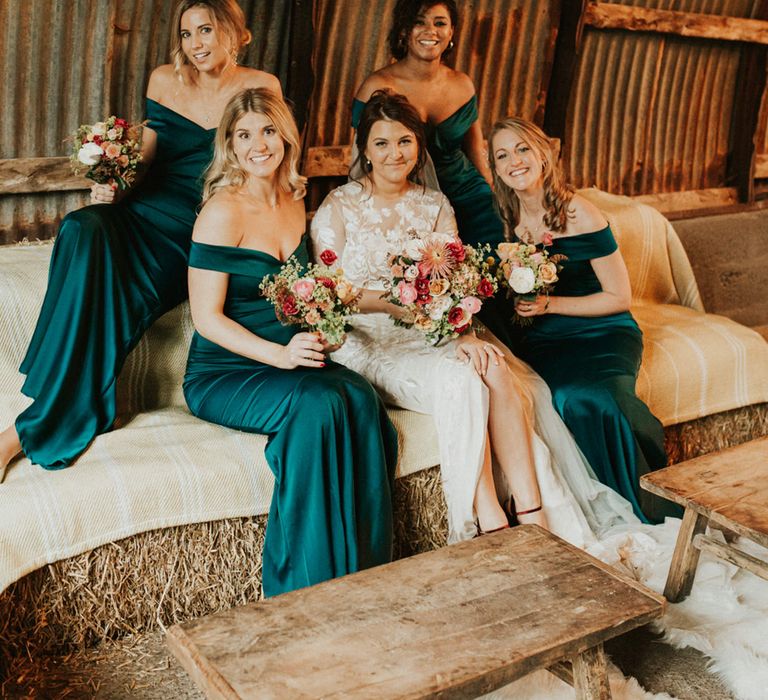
[254,78]
[584,217]
[219,219]
[378,80]
[162,81]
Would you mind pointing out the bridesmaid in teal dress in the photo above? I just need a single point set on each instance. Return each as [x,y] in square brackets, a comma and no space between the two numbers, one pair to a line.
[421,35]
[582,340]
[331,446]
[115,269]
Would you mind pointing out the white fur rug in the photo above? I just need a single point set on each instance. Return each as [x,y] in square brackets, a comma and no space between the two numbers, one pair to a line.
[542,685]
[726,615]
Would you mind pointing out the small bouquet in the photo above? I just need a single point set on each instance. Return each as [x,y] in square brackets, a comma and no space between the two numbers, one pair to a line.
[527,271]
[110,149]
[315,297]
[441,282]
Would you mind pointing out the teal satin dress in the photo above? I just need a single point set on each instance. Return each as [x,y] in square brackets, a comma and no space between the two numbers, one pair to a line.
[114,270]
[591,365]
[460,181]
[331,445]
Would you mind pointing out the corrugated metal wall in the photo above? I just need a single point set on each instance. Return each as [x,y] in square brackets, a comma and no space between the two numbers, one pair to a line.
[503,45]
[72,62]
[651,113]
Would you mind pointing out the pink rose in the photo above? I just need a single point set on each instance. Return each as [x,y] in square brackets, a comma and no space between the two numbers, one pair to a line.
[537,258]
[406,293]
[471,304]
[546,239]
[457,251]
[328,257]
[304,288]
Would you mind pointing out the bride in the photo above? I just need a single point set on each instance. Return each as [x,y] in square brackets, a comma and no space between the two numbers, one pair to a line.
[498,433]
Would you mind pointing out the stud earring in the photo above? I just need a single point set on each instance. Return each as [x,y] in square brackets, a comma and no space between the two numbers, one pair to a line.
[367,163]
[450,45]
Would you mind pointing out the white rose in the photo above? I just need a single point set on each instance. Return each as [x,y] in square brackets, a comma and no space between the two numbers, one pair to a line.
[90,153]
[522,280]
[439,306]
[413,249]
[99,129]
[411,273]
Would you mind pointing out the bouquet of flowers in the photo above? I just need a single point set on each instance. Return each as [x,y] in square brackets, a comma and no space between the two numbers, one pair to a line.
[111,151]
[527,271]
[441,282]
[315,297]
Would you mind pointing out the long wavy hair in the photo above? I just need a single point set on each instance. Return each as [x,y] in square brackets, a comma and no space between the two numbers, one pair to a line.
[390,106]
[225,171]
[228,20]
[404,19]
[557,192]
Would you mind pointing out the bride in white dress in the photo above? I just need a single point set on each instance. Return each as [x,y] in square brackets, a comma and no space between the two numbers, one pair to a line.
[497,430]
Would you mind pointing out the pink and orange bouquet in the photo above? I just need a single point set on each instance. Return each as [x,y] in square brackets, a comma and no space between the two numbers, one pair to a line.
[315,297]
[441,283]
[110,149]
[527,271]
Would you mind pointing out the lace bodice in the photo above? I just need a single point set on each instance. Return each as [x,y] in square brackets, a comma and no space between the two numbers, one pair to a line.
[363,233]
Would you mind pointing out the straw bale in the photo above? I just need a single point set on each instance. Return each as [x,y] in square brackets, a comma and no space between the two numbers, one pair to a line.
[157,578]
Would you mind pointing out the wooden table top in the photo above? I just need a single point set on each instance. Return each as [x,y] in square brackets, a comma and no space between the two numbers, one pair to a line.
[470,618]
[729,486]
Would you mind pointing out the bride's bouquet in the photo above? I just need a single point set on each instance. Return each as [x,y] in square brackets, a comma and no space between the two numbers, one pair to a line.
[315,297]
[440,282]
[527,271]
[110,149]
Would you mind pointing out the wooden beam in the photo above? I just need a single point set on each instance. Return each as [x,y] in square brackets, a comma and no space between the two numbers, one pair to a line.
[608,15]
[27,175]
[761,165]
[327,161]
[564,69]
[735,556]
[750,84]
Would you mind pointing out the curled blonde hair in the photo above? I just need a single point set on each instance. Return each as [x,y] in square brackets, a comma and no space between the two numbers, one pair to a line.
[225,171]
[557,192]
[228,19]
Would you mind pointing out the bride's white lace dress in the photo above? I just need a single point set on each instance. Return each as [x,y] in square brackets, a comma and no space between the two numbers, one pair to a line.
[412,374]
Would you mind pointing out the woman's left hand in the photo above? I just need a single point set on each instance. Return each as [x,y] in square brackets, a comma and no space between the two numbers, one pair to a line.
[479,352]
[537,307]
[327,347]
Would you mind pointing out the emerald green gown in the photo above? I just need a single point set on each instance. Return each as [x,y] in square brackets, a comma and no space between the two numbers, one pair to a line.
[331,447]
[114,270]
[591,365]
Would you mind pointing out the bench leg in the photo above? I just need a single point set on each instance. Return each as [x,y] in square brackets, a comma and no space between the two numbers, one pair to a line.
[590,675]
[682,570]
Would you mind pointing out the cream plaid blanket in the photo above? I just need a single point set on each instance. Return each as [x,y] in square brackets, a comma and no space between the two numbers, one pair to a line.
[164,467]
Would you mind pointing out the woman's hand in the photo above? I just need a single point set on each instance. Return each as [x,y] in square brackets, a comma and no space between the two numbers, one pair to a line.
[303,350]
[479,352]
[327,347]
[105,194]
[537,307]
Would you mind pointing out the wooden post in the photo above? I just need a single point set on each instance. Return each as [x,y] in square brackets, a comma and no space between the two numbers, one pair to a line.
[590,675]
[747,99]
[564,69]
[682,570]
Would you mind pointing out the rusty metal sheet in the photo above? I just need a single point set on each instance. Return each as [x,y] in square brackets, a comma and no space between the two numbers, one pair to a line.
[503,45]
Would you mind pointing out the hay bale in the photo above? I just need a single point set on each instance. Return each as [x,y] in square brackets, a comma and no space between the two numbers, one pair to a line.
[158,578]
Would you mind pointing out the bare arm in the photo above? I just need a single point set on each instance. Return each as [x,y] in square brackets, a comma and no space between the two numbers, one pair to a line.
[474,147]
[218,224]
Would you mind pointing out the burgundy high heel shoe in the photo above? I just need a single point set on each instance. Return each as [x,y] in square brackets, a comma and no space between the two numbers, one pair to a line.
[512,514]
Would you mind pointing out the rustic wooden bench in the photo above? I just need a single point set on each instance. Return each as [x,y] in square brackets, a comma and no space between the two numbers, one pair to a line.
[455,623]
[725,488]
